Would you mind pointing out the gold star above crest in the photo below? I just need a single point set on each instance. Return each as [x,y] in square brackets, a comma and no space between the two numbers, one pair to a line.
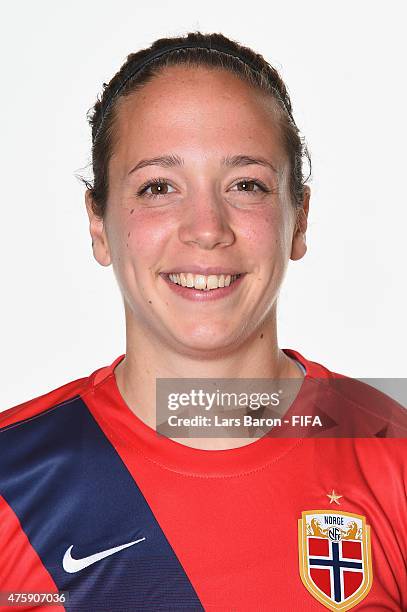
[333,497]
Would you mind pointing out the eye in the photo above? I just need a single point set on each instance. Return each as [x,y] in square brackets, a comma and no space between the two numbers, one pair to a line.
[248,186]
[158,187]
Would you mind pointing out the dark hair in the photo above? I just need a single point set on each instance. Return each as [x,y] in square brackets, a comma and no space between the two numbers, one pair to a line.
[252,68]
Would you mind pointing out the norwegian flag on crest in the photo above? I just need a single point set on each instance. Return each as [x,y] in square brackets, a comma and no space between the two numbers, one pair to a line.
[335,557]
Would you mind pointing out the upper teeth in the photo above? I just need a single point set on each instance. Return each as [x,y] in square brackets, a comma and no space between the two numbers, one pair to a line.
[200,281]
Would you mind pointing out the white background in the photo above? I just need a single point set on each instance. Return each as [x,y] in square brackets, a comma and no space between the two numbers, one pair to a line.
[343,305]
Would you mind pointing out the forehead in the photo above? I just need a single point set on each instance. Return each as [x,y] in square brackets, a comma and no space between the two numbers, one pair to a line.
[197,110]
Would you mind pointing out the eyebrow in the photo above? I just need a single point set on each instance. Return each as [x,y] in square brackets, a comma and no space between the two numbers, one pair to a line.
[231,161]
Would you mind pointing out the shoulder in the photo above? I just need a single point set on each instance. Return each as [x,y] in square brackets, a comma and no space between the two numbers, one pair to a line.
[357,407]
[50,430]
[39,405]
[69,393]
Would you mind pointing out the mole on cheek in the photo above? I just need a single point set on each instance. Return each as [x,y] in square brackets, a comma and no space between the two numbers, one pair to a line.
[261,336]
[132,211]
[149,301]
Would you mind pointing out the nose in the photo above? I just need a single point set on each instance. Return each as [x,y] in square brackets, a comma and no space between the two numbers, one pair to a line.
[206,223]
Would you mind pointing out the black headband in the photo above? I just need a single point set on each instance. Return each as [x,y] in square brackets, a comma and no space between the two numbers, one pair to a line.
[216,46]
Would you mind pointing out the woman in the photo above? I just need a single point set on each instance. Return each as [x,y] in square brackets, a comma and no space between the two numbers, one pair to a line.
[199,202]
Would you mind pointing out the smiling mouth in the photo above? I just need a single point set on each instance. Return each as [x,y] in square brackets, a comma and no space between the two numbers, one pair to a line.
[202,282]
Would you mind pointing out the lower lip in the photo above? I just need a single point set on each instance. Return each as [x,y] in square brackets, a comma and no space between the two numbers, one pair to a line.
[203,295]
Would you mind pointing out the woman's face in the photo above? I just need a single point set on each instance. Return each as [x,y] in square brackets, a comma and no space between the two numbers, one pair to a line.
[222,204]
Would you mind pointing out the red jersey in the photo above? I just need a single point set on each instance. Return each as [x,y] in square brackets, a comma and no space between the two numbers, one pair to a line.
[96,504]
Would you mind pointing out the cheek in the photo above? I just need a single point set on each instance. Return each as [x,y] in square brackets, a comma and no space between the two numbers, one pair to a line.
[140,238]
[266,236]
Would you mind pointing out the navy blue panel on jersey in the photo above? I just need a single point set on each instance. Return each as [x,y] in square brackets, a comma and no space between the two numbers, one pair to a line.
[68,486]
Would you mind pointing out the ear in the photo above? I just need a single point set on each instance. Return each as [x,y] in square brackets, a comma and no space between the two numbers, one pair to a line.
[299,245]
[100,245]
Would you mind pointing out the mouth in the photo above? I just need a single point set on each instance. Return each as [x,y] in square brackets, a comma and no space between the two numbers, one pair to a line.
[202,282]
[201,286]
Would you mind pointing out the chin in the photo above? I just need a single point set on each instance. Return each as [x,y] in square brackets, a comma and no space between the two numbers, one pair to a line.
[206,338]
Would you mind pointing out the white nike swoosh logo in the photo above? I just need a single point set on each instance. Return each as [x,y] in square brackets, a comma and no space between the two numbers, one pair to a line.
[76,565]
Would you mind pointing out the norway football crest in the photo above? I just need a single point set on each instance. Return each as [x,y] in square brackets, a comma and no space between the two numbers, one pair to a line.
[335,557]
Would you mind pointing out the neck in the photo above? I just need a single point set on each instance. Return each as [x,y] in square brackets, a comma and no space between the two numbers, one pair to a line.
[148,359]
